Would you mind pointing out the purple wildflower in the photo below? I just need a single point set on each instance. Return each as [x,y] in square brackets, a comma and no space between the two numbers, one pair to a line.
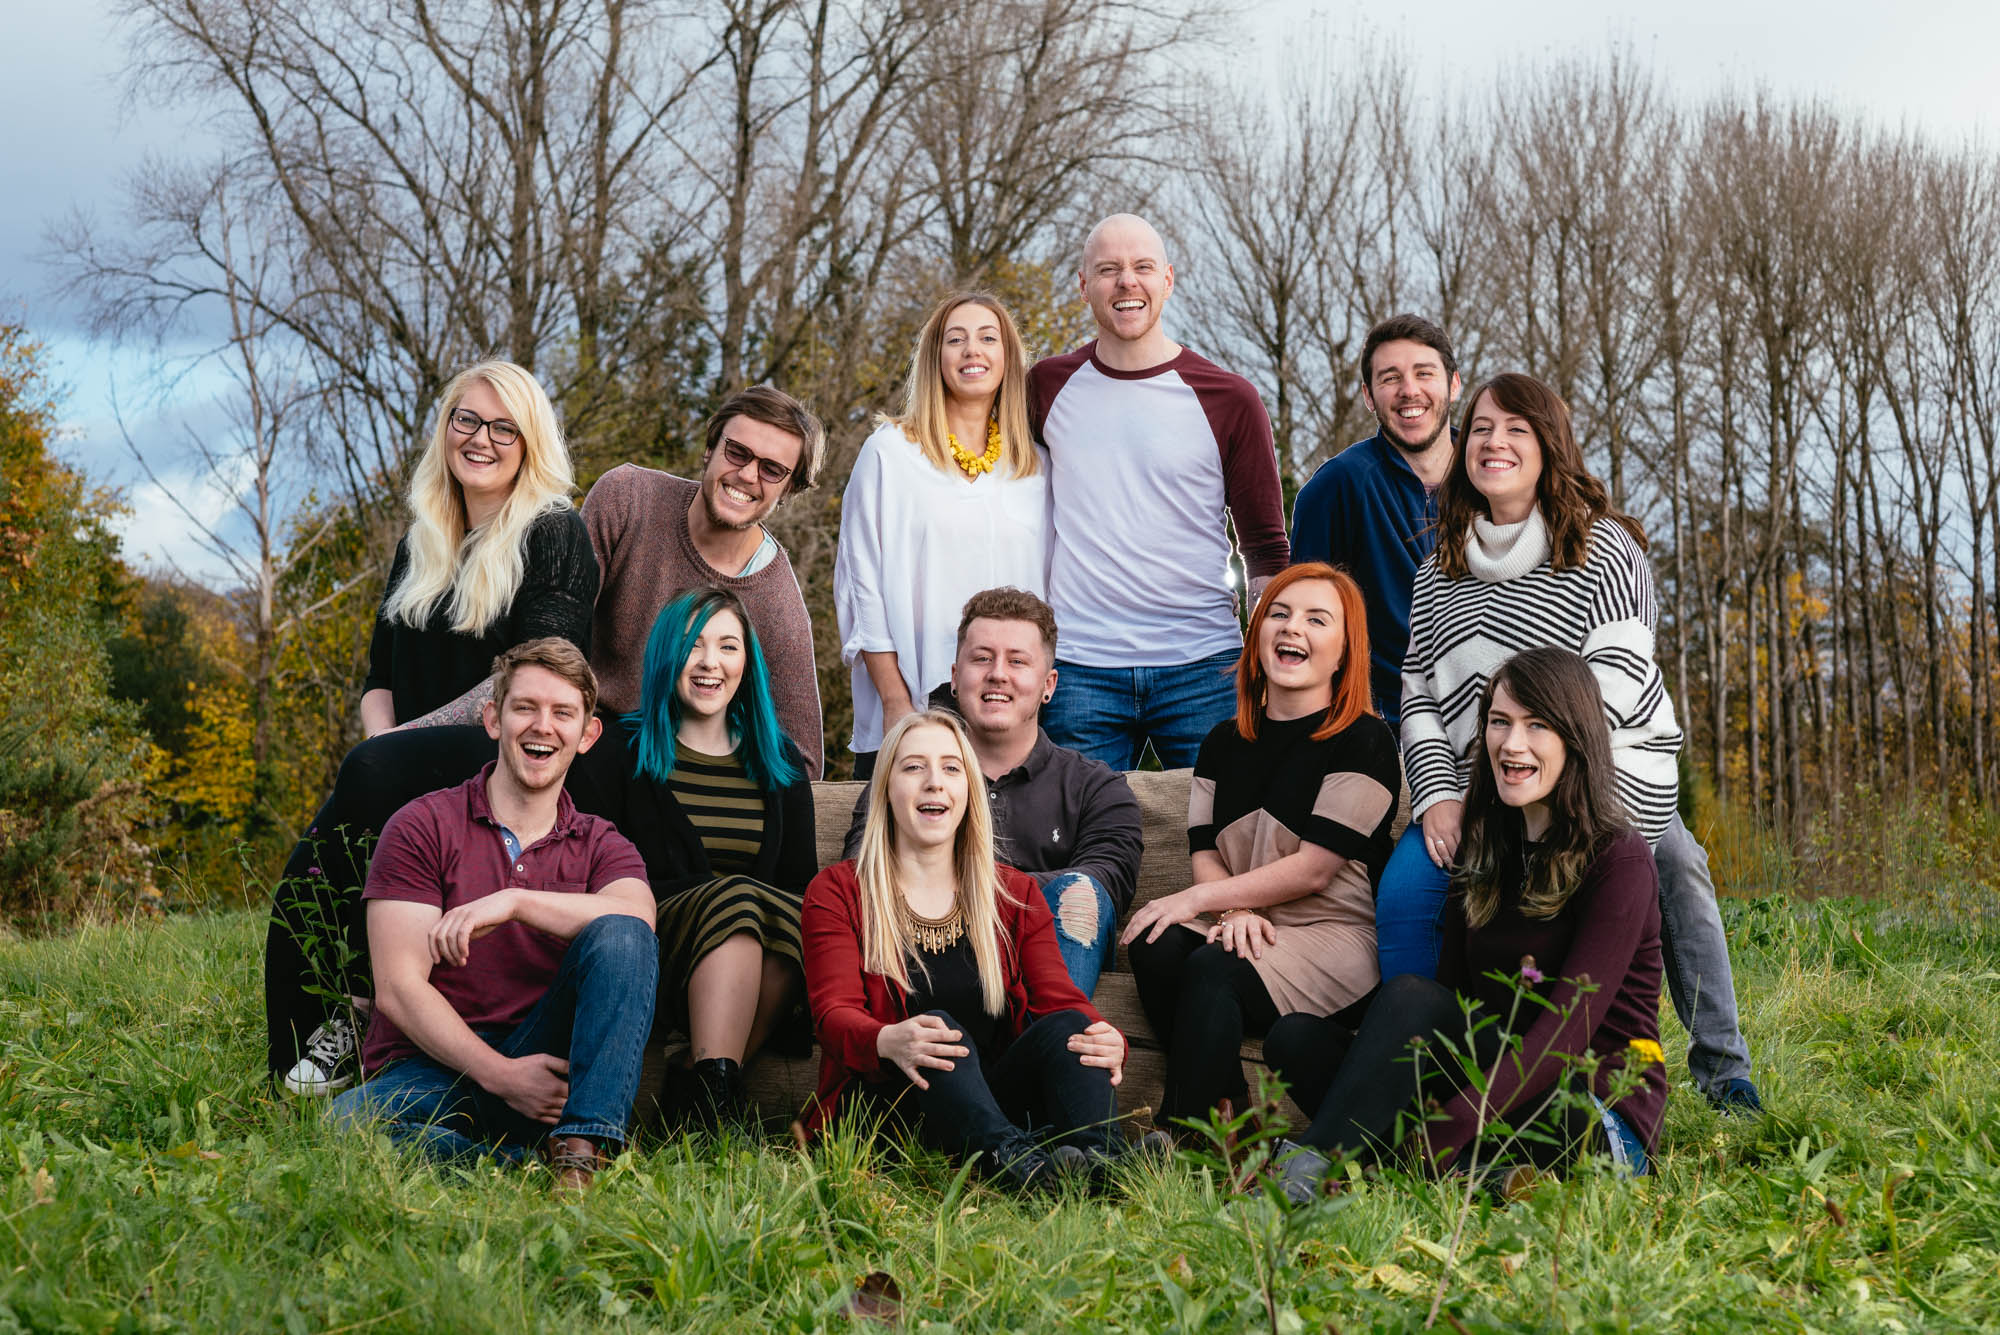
[1529,973]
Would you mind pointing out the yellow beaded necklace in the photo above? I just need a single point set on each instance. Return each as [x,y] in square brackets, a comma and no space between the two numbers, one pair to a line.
[972,465]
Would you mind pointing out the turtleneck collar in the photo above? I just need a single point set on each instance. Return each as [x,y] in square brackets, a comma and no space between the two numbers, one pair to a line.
[1497,552]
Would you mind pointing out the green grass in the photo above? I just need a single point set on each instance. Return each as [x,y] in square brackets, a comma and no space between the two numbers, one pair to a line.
[153,1184]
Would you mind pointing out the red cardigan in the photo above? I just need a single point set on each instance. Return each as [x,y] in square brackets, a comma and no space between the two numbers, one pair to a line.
[850,1006]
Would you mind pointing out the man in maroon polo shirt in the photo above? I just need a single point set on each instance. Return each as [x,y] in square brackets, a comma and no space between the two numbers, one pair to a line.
[513,943]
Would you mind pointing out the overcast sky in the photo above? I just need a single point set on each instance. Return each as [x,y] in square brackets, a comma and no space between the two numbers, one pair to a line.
[72,139]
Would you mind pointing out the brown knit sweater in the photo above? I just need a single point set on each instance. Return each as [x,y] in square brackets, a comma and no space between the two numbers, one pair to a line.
[638,521]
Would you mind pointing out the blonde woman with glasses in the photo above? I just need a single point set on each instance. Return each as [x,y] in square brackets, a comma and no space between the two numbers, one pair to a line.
[495,554]
[938,994]
[949,498]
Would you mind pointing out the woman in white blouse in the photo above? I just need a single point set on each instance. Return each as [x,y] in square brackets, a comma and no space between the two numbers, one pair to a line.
[945,500]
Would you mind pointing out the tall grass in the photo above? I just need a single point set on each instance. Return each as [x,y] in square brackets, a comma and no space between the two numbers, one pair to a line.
[152,1183]
[1935,858]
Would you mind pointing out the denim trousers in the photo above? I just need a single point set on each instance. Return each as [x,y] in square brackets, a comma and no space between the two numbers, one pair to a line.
[596,1014]
[1035,1089]
[1364,1088]
[1086,926]
[1409,908]
[1697,961]
[1409,918]
[1109,714]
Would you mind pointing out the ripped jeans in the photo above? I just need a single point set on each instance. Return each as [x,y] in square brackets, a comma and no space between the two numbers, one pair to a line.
[1086,920]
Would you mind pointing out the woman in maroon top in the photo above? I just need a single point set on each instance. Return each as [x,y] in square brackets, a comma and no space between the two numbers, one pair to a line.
[1555,893]
[936,984]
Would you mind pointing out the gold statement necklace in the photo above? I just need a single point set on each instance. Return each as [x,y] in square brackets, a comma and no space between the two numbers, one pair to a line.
[972,465]
[934,936]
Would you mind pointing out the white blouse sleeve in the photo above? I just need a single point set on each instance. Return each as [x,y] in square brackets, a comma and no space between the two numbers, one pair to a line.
[858,561]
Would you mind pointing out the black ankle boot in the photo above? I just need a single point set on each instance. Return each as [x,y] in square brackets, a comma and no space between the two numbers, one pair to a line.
[719,1095]
[1020,1166]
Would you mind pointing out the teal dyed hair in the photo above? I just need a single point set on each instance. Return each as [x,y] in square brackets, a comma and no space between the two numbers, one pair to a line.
[752,716]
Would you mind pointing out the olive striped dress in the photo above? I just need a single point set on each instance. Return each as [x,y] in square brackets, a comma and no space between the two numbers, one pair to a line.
[727,812]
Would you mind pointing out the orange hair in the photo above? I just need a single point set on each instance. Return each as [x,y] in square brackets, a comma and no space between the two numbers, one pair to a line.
[1351,694]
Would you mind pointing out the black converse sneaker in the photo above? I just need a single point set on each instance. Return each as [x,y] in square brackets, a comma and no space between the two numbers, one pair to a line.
[329,1064]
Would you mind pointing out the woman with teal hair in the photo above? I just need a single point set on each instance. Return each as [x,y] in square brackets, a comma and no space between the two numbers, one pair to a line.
[716,797]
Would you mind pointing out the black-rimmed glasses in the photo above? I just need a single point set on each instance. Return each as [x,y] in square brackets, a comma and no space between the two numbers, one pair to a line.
[739,457]
[498,429]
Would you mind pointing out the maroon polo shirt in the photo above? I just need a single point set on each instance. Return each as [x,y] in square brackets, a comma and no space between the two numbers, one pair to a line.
[445,849]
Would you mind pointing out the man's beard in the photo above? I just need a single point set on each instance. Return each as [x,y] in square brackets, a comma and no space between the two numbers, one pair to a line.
[717,520]
[1443,422]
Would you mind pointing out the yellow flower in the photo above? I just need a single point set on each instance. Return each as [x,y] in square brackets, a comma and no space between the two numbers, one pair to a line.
[1645,1052]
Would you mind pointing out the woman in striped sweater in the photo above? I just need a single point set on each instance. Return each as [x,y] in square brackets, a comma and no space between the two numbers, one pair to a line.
[1531,554]
[716,798]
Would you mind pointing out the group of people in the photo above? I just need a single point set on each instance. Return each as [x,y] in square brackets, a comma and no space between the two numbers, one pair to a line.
[581,821]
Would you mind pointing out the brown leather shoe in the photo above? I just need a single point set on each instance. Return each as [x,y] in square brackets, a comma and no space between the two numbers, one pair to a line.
[575,1161]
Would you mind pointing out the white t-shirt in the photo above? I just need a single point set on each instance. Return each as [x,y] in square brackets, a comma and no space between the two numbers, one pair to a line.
[915,543]
[1142,466]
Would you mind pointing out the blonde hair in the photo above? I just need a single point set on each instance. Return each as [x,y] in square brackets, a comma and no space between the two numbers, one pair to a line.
[476,575]
[923,419]
[886,940]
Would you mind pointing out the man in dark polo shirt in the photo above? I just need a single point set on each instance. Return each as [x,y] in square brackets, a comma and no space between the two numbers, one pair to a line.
[513,943]
[1067,820]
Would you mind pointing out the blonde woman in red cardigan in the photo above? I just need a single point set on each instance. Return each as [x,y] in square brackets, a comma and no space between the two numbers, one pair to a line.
[936,985]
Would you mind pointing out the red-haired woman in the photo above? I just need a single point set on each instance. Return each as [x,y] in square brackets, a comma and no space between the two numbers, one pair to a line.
[1288,822]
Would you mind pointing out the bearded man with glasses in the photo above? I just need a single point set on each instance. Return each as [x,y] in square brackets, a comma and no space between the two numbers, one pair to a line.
[656,535]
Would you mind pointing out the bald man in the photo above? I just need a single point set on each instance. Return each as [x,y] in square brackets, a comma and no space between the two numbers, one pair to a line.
[1149,444]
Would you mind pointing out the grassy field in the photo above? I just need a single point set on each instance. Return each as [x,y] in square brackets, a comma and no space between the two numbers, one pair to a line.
[154,1184]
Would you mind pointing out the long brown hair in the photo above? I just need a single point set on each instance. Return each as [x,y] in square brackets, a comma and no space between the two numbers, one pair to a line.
[923,419]
[1351,695]
[1557,687]
[1569,497]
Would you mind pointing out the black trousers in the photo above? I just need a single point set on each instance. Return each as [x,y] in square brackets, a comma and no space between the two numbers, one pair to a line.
[316,948]
[1201,1000]
[1035,1089]
[1365,1089]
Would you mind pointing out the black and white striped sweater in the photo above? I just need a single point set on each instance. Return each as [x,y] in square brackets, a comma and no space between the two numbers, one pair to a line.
[1461,630]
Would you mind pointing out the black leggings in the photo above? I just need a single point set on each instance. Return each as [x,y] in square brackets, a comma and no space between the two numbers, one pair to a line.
[1036,1086]
[316,949]
[1200,1000]
[1359,1085]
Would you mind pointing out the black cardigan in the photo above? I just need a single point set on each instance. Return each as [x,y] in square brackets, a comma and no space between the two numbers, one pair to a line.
[430,665]
[604,781]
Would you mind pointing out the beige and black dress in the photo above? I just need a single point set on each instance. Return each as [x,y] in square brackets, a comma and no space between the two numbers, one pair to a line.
[724,857]
[1254,802]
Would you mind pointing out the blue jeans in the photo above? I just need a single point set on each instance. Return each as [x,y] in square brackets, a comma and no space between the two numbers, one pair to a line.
[1085,919]
[1409,908]
[1628,1152]
[597,1014]
[1697,961]
[1110,714]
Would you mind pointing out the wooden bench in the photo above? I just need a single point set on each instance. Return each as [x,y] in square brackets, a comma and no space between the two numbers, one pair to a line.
[780,1085]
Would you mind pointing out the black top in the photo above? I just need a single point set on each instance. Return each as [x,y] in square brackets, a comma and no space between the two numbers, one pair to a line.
[1312,788]
[431,665]
[953,987]
[604,780]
